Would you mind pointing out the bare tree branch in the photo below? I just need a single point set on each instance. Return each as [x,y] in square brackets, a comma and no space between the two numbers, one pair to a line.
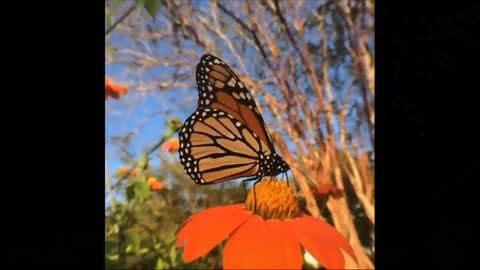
[121,18]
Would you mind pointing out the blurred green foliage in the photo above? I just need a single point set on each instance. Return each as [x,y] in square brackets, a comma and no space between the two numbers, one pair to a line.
[140,228]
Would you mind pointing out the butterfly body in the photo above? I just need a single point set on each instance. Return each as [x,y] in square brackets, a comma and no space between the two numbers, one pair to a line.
[226,137]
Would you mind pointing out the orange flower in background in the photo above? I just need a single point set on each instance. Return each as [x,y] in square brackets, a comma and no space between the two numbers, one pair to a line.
[154,184]
[114,90]
[123,172]
[330,192]
[171,146]
[270,237]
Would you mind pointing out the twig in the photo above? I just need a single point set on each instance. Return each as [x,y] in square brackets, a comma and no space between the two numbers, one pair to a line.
[122,18]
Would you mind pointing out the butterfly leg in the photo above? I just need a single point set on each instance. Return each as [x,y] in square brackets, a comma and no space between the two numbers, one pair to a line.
[286,179]
[245,189]
[255,195]
[247,180]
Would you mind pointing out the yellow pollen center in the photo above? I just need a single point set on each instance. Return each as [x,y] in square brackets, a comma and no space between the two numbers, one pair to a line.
[272,199]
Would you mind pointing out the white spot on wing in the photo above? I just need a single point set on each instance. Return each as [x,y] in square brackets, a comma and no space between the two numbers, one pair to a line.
[232,82]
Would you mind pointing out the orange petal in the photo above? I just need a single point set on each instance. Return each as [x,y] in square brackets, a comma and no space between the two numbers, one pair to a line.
[259,244]
[171,146]
[284,248]
[204,230]
[166,146]
[151,180]
[156,186]
[322,241]
[114,90]
[174,145]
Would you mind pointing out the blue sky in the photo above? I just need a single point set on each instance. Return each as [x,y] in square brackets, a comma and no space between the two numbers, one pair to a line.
[123,115]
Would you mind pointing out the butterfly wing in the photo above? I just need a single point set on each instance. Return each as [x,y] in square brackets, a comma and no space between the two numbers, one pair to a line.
[220,88]
[215,147]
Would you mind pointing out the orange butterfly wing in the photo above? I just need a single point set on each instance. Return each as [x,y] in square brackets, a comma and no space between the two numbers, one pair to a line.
[220,88]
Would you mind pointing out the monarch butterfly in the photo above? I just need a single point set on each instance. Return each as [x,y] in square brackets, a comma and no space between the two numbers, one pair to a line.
[226,137]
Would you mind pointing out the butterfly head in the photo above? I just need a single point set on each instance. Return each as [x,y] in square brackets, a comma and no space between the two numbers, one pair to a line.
[273,165]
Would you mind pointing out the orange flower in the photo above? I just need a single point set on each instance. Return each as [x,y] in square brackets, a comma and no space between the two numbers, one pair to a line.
[270,237]
[114,90]
[154,184]
[122,171]
[330,192]
[171,146]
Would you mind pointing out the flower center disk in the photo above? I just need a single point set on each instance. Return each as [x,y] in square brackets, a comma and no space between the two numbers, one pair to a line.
[272,199]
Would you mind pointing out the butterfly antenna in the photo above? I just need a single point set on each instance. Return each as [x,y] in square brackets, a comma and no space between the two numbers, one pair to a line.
[309,180]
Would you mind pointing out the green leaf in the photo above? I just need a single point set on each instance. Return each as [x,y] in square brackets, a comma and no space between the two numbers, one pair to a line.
[112,230]
[143,251]
[142,190]
[173,254]
[134,245]
[130,192]
[174,124]
[143,162]
[113,257]
[152,6]
[143,178]
[160,264]
[170,238]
